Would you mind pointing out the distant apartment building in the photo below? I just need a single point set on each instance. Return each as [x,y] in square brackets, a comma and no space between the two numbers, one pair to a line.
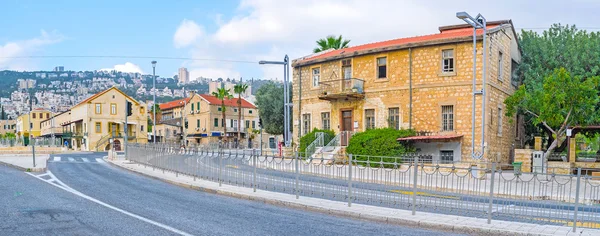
[184,75]
[59,68]
[26,83]
[424,83]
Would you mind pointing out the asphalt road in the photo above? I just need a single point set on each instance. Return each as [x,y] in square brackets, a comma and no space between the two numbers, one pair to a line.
[36,207]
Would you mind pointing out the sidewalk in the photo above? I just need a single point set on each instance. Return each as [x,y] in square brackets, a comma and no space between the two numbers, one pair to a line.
[449,223]
[24,162]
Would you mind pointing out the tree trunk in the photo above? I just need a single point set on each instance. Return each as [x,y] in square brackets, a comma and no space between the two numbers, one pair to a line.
[551,148]
[239,118]
[224,121]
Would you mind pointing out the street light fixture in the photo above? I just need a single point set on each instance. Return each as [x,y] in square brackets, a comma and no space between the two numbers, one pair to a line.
[154,101]
[478,22]
[286,99]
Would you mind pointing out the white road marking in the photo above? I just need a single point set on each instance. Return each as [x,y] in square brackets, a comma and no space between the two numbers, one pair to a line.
[56,159]
[85,159]
[502,208]
[63,186]
[99,160]
[71,159]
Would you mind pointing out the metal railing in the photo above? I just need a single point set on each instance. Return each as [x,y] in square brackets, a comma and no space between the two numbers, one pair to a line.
[341,139]
[317,143]
[413,182]
[342,86]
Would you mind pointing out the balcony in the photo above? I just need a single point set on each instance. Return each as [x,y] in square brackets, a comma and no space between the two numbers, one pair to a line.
[345,89]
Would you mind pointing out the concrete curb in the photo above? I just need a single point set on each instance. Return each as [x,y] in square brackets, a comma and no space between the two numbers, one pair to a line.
[37,169]
[415,223]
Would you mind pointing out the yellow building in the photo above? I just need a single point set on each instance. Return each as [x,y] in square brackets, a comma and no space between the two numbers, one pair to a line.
[7,126]
[37,115]
[99,119]
[53,126]
[422,83]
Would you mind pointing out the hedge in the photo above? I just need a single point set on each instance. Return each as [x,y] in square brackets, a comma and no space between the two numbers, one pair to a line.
[310,137]
[380,143]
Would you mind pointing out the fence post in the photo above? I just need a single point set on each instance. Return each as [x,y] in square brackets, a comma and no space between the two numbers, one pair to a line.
[297,176]
[415,169]
[220,164]
[491,201]
[349,180]
[254,167]
[577,199]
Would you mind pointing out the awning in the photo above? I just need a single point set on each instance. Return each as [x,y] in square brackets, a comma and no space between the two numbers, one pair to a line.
[129,122]
[70,122]
[197,135]
[429,138]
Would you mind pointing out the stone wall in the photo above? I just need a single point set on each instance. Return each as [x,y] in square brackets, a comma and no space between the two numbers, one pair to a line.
[524,156]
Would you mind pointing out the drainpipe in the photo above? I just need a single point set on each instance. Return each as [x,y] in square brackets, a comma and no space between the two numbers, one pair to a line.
[410,106]
[299,102]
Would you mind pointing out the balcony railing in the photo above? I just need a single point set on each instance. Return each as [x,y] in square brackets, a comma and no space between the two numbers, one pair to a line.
[342,89]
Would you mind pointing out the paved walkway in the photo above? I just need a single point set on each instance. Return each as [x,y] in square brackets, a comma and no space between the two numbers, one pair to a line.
[25,162]
[395,216]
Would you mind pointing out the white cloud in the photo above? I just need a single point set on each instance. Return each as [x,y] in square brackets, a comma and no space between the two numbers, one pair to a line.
[128,67]
[187,33]
[20,48]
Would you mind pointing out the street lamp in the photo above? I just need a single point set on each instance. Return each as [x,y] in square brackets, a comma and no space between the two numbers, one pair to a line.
[154,101]
[478,22]
[286,99]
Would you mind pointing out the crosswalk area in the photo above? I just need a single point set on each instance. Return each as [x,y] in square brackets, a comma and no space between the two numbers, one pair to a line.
[77,159]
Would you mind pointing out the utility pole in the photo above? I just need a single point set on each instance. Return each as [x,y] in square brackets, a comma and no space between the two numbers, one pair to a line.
[30,124]
[184,120]
[154,101]
[126,128]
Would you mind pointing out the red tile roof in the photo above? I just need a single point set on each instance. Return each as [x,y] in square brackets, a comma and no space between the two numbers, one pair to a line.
[173,104]
[228,102]
[431,137]
[446,32]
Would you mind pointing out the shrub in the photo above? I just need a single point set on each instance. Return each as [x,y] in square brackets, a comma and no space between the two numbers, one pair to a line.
[310,137]
[380,143]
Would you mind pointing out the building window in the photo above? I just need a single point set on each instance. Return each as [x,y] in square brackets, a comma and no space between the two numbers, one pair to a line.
[369,118]
[253,124]
[247,124]
[448,118]
[141,128]
[347,68]
[142,110]
[198,106]
[98,127]
[98,108]
[447,60]
[30,125]
[234,109]
[249,111]
[500,65]
[174,132]
[216,122]
[316,76]
[33,115]
[382,67]
[394,118]
[198,123]
[446,156]
[47,115]
[306,123]
[113,109]
[192,107]
[222,122]
[326,120]
[499,121]
[219,109]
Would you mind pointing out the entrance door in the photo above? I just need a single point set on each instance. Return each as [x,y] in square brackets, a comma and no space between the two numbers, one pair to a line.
[346,127]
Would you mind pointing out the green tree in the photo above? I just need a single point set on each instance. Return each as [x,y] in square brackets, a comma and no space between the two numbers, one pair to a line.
[562,101]
[559,46]
[239,89]
[269,100]
[223,94]
[310,137]
[331,42]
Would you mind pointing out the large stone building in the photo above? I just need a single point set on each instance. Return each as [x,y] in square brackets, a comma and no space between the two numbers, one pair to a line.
[92,124]
[424,83]
[7,126]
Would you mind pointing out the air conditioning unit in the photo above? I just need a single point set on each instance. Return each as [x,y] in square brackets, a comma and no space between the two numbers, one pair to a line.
[191,112]
[203,129]
[197,129]
[197,111]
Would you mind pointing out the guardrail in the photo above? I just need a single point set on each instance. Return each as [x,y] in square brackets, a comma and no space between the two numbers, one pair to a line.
[413,182]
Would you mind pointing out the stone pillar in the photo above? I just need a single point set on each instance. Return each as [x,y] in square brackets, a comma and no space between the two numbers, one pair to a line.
[572,150]
[525,156]
[538,144]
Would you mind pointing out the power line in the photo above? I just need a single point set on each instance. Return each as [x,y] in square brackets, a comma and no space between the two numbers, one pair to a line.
[136,57]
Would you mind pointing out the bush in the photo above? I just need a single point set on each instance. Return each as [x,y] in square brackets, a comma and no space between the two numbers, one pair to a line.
[310,137]
[379,142]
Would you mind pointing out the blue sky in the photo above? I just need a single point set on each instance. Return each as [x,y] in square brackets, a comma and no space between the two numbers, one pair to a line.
[247,30]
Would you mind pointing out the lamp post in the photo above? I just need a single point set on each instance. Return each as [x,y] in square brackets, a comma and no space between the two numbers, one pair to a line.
[478,22]
[154,101]
[286,98]
[30,123]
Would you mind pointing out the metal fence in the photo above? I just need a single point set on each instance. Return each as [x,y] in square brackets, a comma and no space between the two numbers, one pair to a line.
[412,182]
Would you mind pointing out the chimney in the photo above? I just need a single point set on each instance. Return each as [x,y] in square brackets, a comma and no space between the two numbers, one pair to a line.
[192,92]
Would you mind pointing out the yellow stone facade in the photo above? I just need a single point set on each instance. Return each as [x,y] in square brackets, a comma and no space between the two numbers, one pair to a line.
[416,70]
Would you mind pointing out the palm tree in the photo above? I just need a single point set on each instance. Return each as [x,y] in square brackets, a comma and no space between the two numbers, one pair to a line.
[239,89]
[331,42]
[223,94]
